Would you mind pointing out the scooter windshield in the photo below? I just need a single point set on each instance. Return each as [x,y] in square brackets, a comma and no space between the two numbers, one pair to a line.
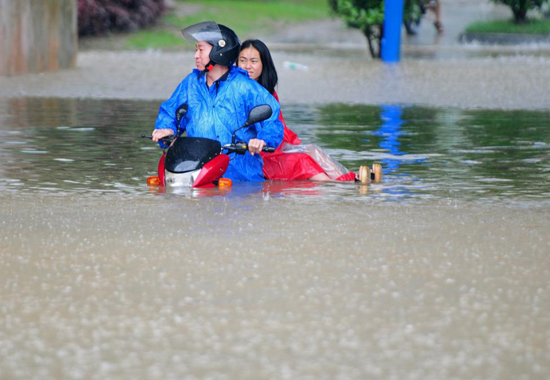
[190,153]
[203,31]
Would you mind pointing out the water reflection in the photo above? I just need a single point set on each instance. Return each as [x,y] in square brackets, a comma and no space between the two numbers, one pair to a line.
[391,132]
[265,190]
[93,146]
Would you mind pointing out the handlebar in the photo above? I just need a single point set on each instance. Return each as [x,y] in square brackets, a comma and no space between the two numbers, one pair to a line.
[166,140]
[242,147]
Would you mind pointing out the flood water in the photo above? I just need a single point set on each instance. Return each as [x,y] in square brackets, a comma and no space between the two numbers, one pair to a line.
[439,272]
[56,146]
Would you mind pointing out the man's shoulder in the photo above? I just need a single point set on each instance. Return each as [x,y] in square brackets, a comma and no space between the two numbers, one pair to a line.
[193,76]
[238,72]
[239,75]
[192,79]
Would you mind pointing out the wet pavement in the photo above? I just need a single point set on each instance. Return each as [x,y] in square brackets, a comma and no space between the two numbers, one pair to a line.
[508,82]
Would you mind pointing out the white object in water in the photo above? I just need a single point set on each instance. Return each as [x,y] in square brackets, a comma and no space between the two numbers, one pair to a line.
[294,66]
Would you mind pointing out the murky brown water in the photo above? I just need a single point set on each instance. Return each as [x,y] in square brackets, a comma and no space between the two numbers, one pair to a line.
[440,272]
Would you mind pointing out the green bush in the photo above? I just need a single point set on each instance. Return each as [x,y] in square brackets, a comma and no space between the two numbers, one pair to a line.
[97,17]
[521,7]
[508,26]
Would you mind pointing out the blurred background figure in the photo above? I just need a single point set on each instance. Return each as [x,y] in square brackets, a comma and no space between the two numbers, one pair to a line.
[435,7]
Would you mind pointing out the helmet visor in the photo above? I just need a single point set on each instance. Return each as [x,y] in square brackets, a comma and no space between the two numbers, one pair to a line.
[203,31]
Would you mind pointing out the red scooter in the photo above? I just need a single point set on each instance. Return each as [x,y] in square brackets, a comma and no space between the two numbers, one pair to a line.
[200,162]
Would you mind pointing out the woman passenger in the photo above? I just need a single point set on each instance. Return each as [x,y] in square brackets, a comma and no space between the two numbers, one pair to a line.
[284,164]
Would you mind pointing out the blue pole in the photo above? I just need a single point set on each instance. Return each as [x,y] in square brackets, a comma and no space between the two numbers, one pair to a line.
[391,42]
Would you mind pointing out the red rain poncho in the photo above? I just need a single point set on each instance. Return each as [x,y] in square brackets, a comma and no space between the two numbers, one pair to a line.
[281,165]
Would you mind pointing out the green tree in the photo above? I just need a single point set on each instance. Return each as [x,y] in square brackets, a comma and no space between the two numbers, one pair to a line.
[368,17]
[365,15]
[521,7]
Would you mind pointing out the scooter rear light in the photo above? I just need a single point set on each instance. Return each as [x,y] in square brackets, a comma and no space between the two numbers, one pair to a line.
[224,182]
[153,180]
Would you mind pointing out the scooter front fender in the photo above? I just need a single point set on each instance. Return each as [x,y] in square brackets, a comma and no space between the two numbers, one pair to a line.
[212,171]
[161,170]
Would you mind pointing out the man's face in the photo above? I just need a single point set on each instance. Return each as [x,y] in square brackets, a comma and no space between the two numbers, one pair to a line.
[202,52]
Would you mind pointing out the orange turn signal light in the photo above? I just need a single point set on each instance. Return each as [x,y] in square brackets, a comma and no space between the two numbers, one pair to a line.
[224,182]
[154,180]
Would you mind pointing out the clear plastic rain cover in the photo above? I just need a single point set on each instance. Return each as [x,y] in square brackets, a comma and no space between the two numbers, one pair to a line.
[333,168]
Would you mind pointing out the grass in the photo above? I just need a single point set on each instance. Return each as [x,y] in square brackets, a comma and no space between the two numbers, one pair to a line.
[249,18]
[510,27]
[150,39]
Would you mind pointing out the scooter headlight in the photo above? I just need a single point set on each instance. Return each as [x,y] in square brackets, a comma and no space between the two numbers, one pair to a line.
[181,179]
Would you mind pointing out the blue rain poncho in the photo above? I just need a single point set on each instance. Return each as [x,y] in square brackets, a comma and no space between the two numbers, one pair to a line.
[217,111]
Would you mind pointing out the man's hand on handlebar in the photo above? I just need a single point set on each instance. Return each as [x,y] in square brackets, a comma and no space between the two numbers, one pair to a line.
[161,133]
[255,146]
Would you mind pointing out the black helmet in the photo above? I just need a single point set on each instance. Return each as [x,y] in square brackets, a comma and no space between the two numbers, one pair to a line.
[224,41]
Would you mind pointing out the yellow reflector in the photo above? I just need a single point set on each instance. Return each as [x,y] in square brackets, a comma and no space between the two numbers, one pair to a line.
[154,180]
[224,182]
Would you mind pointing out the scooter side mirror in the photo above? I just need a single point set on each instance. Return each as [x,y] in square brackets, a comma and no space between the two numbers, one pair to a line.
[259,113]
[181,111]
[256,114]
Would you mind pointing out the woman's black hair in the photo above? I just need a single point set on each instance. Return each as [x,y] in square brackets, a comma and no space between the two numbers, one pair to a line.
[268,78]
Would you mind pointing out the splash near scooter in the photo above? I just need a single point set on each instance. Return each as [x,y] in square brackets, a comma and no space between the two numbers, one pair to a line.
[198,162]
